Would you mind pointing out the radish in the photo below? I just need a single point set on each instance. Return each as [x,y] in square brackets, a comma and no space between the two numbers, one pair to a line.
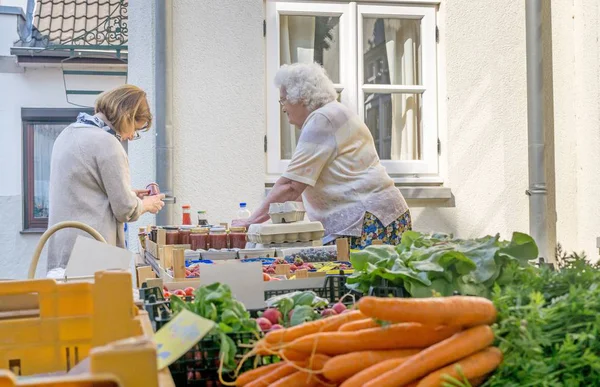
[339,308]
[264,324]
[328,312]
[273,315]
[276,326]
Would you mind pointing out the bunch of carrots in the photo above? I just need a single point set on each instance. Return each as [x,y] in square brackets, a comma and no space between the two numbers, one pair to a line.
[387,342]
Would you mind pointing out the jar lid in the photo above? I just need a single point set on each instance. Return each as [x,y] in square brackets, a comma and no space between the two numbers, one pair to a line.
[186,206]
[200,230]
[237,229]
[217,229]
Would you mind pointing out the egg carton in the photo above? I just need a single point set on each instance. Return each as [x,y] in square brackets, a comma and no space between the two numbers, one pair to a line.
[268,233]
[288,212]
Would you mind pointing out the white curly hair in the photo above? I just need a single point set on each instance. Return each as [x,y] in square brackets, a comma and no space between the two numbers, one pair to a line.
[306,83]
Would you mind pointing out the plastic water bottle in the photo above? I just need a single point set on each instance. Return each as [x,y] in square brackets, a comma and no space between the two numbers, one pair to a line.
[243,212]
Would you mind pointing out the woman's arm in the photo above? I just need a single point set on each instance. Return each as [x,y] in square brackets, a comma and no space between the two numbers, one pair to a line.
[113,167]
[284,190]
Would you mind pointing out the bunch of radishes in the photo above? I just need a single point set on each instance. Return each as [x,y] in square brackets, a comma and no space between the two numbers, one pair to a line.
[338,308]
[272,318]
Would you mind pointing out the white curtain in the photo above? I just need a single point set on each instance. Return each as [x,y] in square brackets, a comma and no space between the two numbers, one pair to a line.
[402,53]
[297,34]
[43,141]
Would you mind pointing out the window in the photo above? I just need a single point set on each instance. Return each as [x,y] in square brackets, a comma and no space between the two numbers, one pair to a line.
[40,129]
[382,59]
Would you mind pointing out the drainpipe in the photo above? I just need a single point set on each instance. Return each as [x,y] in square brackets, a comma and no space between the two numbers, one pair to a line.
[537,192]
[27,34]
[163,35]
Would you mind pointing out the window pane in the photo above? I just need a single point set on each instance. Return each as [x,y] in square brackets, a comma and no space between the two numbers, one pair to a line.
[392,51]
[43,140]
[309,39]
[395,123]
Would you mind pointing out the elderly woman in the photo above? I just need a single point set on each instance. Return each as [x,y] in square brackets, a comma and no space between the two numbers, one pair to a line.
[89,173]
[335,168]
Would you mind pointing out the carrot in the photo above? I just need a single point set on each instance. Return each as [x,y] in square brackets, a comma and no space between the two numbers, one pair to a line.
[328,324]
[276,374]
[477,381]
[251,375]
[344,366]
[296,379]
[316,362]
[263,348]
[291,355]
[359,325]
[302,378]
[472,367]
[368,374]
[438,355]
[464,311]
[397,336]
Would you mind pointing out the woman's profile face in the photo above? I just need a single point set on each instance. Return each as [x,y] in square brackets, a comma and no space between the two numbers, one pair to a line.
[296,112]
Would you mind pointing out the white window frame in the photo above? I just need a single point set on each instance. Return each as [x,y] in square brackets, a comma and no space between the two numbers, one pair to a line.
[351,76]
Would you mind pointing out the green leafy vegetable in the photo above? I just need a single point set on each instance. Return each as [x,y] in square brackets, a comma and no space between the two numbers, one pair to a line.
[425,264]
[548,325]
[215,302]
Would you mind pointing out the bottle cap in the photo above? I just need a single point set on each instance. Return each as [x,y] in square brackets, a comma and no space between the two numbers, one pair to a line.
[242,205]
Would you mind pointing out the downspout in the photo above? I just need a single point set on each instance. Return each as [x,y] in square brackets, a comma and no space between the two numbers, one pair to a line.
[537,192]
[28,33]
[163,35]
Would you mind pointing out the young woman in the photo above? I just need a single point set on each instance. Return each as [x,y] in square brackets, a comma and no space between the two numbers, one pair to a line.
[89,173]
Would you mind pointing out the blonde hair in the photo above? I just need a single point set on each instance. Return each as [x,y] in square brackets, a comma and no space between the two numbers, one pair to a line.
[123,103]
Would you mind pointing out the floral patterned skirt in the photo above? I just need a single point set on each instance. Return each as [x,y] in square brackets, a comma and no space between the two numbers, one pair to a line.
[374,229]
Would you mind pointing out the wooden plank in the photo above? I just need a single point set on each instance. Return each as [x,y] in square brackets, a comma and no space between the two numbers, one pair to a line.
[161,236]
[144,273]
[178,264]
[343,249]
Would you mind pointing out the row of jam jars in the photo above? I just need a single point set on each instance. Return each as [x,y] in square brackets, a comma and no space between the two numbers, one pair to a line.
[199,238]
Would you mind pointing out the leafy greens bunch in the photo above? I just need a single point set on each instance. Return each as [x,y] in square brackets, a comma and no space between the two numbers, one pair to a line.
[215,302]
[548,326]
[427,264]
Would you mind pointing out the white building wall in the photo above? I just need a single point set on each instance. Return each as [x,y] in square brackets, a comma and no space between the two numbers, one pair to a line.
[219,114]
[219,120]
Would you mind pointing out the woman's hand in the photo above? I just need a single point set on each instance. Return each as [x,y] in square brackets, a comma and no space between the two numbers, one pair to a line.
[141,193]
[240,223]
[153,204]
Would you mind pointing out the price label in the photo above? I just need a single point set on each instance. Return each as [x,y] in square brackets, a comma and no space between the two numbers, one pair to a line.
[179,335]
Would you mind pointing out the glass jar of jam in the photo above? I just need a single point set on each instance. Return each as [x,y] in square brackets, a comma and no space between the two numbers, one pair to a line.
[172,237]
[237,237]
[199,238]
[184,236]
[218,238]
